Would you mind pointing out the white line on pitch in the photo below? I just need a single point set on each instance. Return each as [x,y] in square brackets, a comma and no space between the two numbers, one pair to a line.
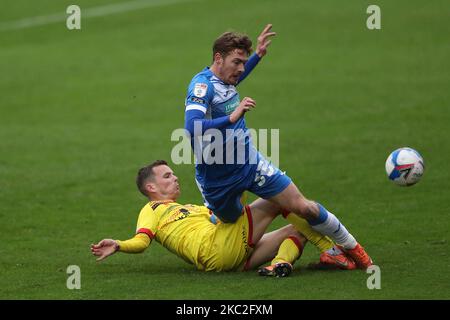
[85,13]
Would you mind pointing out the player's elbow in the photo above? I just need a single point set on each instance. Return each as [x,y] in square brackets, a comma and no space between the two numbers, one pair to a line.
[194,126]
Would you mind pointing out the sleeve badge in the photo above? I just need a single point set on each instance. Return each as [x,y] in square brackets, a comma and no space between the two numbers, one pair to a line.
[200,89]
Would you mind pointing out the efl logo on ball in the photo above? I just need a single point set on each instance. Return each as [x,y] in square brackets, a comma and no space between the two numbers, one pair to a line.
[405,166]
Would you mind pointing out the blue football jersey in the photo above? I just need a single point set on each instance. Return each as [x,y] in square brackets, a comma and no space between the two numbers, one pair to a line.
[211,99]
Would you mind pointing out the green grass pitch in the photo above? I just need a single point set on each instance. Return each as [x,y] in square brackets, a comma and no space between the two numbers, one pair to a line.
[82,110]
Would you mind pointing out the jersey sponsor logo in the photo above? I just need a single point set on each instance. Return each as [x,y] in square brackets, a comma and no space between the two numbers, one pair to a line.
[197,100]
[200,89]
[176,214]
[229,108]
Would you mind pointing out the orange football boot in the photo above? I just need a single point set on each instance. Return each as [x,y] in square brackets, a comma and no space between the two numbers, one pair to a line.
[281,269]
[359,255]
[338,261]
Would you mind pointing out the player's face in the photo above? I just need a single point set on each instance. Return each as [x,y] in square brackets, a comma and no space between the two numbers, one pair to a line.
[166,183]
[232,66]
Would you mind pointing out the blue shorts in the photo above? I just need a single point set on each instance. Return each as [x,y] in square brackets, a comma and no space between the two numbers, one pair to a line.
[265,180]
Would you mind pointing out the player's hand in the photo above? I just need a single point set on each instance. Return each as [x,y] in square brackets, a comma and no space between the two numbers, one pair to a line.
[104,248]
[246,104]
[263,41]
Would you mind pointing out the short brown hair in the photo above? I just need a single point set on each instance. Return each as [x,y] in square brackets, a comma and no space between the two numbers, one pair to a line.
[146,173]
[230,41]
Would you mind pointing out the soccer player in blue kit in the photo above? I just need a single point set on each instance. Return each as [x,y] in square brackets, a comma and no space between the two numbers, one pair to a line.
[213,103]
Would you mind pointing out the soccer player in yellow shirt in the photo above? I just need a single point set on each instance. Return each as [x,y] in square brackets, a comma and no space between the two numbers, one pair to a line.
[192,232]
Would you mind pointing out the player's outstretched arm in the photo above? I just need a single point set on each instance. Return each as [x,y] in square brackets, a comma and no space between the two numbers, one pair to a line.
[261,50]
[107,247]
[264,41]
[104,248]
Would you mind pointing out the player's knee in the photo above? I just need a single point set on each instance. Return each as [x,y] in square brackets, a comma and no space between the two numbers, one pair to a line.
[312,209]
[291,232]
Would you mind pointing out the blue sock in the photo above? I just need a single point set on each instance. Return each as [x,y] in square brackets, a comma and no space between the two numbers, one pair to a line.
[323,215]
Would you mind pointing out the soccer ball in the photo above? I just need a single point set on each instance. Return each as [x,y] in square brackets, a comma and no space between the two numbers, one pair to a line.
[405,166]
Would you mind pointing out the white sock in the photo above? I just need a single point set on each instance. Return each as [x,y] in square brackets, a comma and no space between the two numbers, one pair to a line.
[330,226]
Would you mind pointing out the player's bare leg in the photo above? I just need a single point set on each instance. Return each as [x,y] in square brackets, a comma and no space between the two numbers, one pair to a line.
[263,213]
